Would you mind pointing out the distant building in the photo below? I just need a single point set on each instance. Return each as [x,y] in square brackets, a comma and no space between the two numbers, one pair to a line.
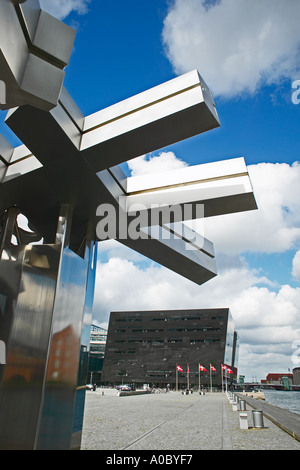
[277,378]
[296,376]
[144,347]
[98,339]
[279,381]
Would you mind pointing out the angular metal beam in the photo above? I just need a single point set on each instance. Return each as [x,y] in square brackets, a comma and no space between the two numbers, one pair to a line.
[221,187]
[176,253]
[56,140]
[35,48]
[168,113]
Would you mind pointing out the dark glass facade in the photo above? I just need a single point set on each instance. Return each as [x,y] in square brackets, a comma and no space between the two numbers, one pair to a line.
[144,347]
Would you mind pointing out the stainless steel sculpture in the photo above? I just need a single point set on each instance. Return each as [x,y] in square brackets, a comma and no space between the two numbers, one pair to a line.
[64,178]
[35,48]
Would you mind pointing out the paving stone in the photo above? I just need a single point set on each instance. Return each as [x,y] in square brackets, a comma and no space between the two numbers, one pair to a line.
[172,421]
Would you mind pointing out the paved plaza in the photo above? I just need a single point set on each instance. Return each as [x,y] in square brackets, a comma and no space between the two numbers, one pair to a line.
[172,421]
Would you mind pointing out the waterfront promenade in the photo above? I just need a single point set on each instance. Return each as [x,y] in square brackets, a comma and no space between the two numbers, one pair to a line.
[172,421]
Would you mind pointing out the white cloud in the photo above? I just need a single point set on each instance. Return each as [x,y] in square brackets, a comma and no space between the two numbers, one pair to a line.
[62,8]
[235,44]
[296,266]
[145,164]
[275,226]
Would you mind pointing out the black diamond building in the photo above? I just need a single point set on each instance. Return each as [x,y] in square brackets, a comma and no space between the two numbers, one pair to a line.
[144,347]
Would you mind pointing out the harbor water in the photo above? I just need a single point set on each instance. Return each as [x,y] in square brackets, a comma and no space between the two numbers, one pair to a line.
[285,399]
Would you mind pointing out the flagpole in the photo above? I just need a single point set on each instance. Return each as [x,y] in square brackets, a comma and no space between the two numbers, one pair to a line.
[188,378]
[226,380]
[199,377]
[222,378]
[210,379]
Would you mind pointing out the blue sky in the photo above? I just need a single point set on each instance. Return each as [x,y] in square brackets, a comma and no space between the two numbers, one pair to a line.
[248,53]
[119,52]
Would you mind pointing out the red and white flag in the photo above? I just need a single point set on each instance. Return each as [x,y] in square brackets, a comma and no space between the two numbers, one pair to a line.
[212,368]
[188,369]
[201,368]
[229,370]
[179,368]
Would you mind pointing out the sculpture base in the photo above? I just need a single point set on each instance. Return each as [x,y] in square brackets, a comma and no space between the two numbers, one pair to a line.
[45,300]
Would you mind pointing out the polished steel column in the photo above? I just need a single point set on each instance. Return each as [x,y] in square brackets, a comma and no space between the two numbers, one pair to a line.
[45,300]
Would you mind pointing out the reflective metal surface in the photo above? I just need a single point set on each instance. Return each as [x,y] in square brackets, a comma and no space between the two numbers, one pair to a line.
[222,187]
[35,48]
[165,114]
[109,186]
[46,300]
[90,257]
[168,113]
